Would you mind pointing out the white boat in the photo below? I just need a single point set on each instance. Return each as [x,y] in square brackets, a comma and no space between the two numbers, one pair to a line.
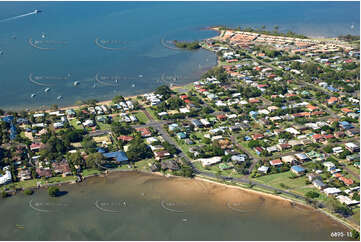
[43,35]
[116,80]
[133,85]
[76,83]
[33,95]
[59,97]
[140,76]
[47,89]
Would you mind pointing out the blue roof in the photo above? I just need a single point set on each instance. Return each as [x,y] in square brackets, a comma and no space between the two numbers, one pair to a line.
[8,119]
[247,138]
[181,135]
[22,120]
[120,156]
[253,113]
[100,150]
[12,131]
[298,168]
[344,123]
[331,88]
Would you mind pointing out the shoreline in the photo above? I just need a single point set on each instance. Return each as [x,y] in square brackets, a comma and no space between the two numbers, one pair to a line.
[230,186]
[103,173]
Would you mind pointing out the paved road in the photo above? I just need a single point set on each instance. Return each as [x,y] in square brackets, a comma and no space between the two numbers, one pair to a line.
[250,155]
[169,139]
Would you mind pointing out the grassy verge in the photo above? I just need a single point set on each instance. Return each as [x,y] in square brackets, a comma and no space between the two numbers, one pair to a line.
[89,172]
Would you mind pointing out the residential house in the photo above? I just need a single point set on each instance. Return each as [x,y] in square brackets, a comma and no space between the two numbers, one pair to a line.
[298,170]
[276,162]
[319,184]
[346,181]
[331,191]
[6,177]
[44,172]
[62,168]
[210,161]
[352,147]
[170,164]
[263,169]
[161,154]
[288,159]
[117,156]
[181,135]
[144,132]
[302,157]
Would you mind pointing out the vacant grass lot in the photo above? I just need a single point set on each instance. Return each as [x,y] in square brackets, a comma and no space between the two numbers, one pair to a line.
[276,179]
[151,112]
[141,117]
[73,122]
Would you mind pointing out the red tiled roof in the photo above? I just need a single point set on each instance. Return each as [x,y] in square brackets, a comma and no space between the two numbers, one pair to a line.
[317,136]
[346,110]
[329,136]
[257,136]
[275,162]
[144,132]
[221,116]
[332,100]
[346,180]
[183,97]
[253,100]
[125,138]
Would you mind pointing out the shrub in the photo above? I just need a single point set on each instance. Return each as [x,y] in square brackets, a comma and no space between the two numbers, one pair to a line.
[53,191]
[28,191]
[312,194]
[4,194]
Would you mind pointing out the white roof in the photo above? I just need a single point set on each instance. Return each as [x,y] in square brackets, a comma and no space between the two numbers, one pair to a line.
[331,190]
[351,145]
[184,110]
[263,169]
[210,161]
[6,177]
[292,130]
[328,164]
[38,115]
[347,200]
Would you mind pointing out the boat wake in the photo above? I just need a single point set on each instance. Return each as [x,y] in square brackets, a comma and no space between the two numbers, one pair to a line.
[35,82]
[98,43]
[19,16]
